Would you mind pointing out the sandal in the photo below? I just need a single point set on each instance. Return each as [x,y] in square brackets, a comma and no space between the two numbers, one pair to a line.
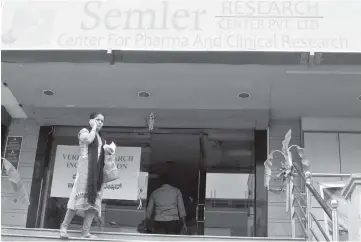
[63,233]
[89,236]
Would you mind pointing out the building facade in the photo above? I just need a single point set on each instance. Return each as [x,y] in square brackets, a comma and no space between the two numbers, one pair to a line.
[224,81]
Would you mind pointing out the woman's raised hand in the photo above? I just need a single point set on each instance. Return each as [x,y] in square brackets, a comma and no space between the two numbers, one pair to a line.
[92,123]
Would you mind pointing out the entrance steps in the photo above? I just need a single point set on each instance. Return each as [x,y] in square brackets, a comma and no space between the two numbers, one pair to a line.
[30,234]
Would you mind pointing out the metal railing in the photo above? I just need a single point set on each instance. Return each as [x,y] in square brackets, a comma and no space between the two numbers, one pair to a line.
[303,201]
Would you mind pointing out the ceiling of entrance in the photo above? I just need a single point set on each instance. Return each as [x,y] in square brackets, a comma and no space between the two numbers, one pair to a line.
[183,95]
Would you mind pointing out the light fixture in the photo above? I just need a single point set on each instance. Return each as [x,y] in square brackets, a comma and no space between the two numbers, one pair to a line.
[143,94]
[359,98]
[244,95]
[48,92]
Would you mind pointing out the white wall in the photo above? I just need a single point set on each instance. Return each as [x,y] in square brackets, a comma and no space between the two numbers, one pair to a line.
[331,124]
[350,153]
[333,146]
[334,152]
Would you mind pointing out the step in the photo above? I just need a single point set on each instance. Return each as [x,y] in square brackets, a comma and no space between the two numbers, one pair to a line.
[30,234]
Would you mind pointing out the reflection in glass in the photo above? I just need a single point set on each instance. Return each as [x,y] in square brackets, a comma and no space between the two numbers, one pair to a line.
[228,204]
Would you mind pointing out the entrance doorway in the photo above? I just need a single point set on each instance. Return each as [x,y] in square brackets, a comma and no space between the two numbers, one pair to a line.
[214,169]
[177,156]
[215,173]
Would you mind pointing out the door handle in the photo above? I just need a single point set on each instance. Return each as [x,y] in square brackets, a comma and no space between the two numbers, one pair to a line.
[200,206]
[213,203]
[214,199]
[197,209]
[248,203]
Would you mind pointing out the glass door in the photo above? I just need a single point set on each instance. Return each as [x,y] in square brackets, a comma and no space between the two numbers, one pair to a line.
[226,185]
[227,205]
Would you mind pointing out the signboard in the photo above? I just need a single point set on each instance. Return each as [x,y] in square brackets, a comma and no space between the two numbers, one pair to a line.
[183,25]
[12,151]
[127,160]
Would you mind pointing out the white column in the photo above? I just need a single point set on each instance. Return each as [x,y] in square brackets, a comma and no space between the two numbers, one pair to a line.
[352,193]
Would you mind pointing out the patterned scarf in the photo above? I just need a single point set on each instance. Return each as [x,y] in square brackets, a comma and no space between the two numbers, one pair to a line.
[95,169]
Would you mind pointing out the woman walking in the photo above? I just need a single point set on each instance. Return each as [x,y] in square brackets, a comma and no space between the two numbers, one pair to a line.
[88,186]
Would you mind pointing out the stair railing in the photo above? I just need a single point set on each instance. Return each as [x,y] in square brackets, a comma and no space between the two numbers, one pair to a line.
[307,216]
[294,196]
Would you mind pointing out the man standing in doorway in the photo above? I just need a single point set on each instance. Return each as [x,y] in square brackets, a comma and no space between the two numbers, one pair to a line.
[167,204]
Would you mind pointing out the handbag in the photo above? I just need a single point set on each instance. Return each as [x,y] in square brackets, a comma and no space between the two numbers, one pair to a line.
[110,171]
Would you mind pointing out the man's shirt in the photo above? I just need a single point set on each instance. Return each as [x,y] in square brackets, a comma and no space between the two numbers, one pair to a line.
[167,203]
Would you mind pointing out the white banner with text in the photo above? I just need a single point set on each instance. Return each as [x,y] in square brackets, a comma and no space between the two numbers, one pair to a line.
[183,25]
[127,160]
